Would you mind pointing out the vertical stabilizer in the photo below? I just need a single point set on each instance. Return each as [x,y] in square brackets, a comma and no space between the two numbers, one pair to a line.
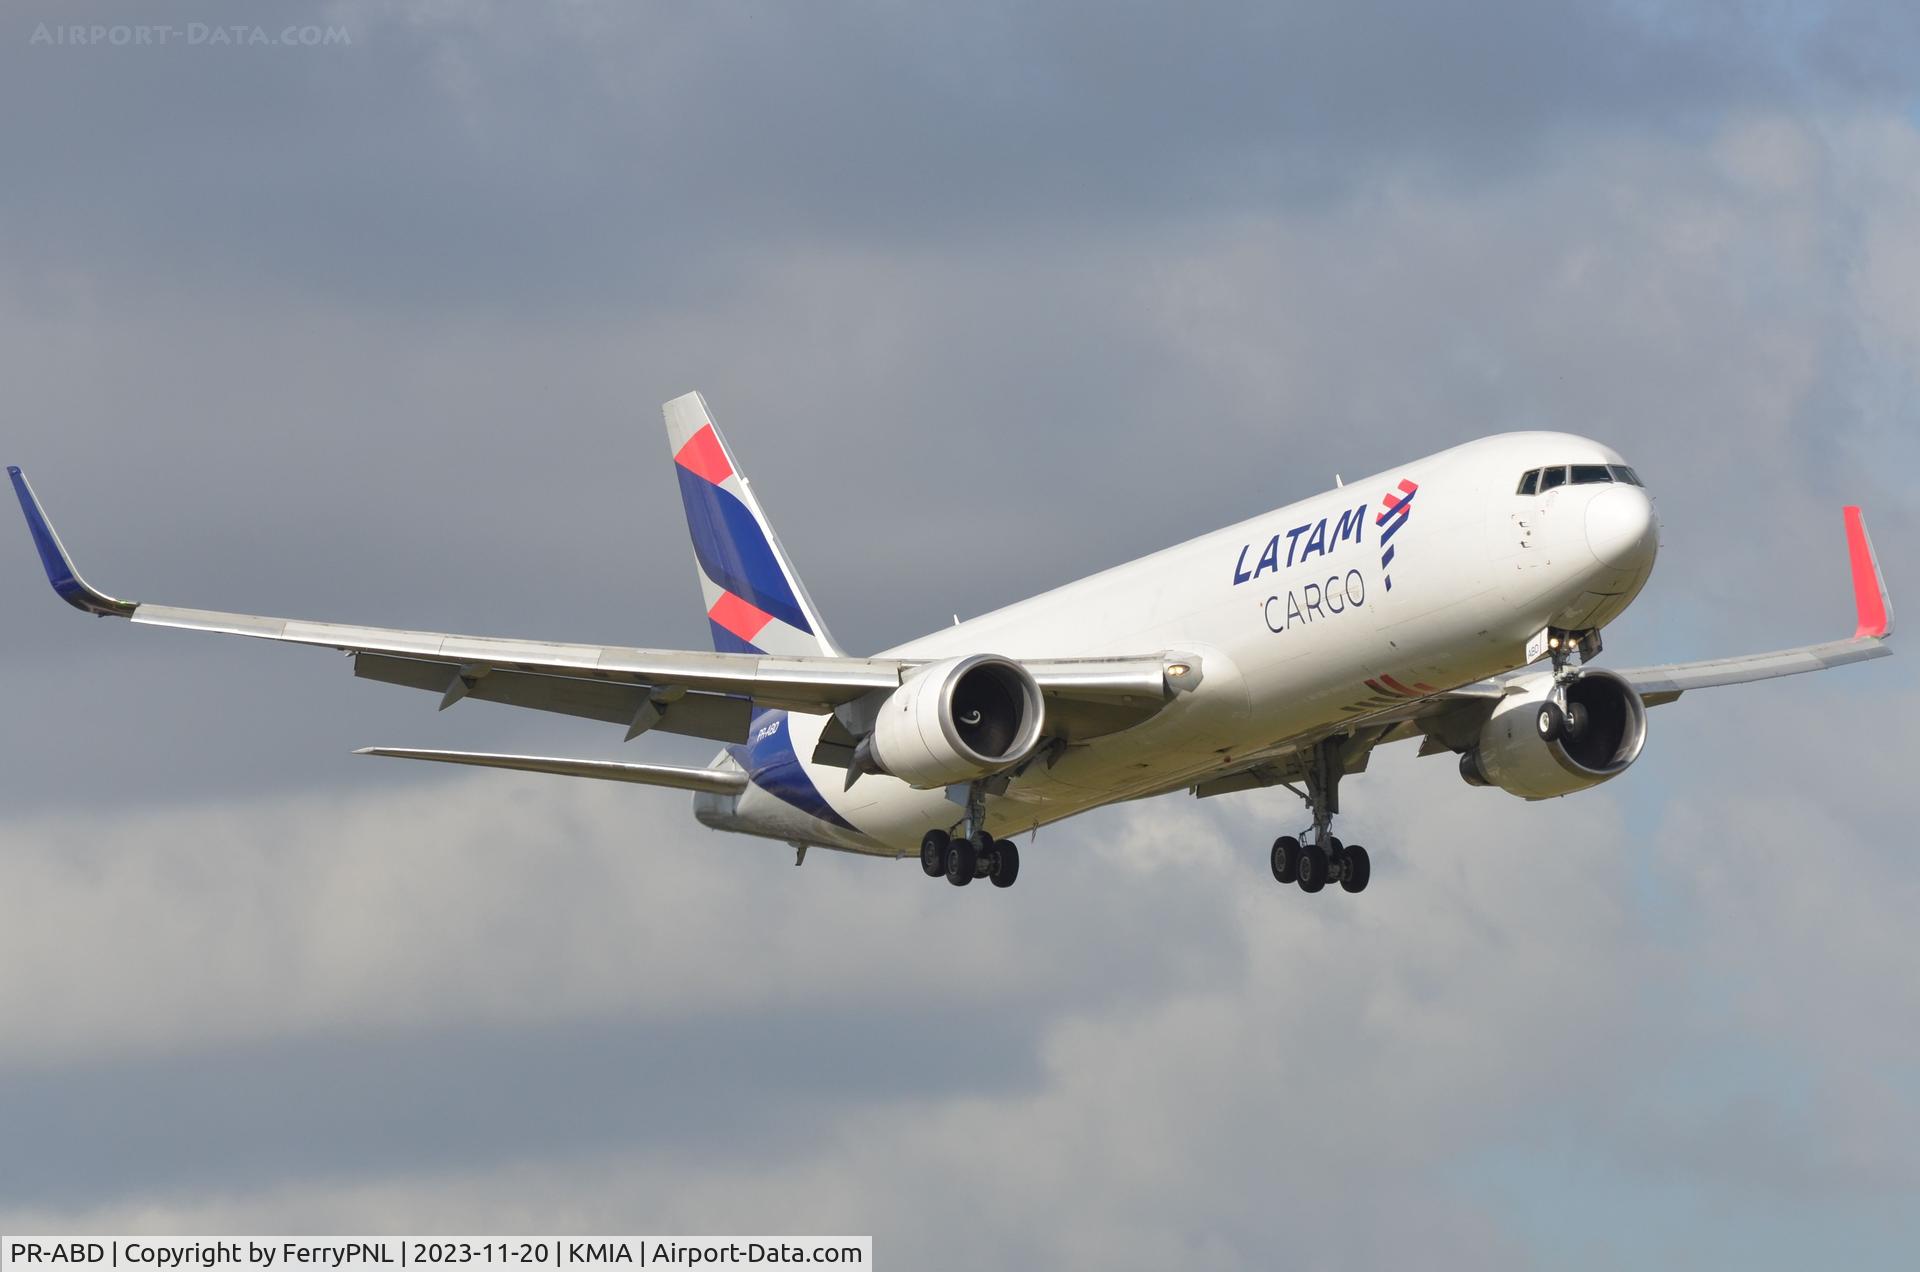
[755,601]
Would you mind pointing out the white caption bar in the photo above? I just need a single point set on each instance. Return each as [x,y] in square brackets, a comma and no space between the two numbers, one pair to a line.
[379,1254]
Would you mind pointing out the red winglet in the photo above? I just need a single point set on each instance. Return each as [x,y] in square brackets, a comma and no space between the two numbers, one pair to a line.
[1869,589]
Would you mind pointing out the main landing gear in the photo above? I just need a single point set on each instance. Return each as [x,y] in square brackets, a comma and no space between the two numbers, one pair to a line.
[1321,859]
[973,853]
[964,858]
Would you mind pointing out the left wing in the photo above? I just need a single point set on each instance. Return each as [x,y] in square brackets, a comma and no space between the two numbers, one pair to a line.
[710,695]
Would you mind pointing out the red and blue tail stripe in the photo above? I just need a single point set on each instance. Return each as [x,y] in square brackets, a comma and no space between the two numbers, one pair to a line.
[731,545]
[755,602]
[736,624]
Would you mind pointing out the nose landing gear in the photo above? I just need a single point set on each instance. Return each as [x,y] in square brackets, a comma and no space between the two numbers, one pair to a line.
[1557,719]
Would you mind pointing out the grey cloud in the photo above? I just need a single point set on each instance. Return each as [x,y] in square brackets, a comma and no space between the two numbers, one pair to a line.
[764,1086]
[1367,1082]
[501,158]
[423,907]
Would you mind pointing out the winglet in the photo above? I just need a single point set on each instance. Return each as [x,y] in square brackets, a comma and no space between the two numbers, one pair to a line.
[1869,586]
[66,580]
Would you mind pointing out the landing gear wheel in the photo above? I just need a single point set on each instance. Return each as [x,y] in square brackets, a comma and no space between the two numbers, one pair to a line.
[933,852]
[1550,722]
[1355,869]
[1006,864]
[984,852]
[962,861]
[1313,868]
[1576,720]
[1286,859]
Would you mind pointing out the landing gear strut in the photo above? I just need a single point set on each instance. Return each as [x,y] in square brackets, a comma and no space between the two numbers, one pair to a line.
[1318,858]
[1557,717]
[1562,644]
[971,853]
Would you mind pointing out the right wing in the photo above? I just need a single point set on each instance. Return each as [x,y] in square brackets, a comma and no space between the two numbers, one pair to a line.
[1873,611]
[709,695]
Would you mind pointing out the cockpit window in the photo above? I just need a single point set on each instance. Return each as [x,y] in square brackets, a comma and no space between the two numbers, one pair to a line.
[1541,480]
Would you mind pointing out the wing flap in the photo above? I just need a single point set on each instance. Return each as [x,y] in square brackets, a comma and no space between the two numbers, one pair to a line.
[718,717]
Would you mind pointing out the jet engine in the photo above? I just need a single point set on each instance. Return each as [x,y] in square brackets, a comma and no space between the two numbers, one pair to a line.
[957,720]
[1539,744]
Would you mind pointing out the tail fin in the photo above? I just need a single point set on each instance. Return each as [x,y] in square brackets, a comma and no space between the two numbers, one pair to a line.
[755,602]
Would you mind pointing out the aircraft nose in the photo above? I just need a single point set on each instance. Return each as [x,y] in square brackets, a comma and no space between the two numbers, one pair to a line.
[1621,529]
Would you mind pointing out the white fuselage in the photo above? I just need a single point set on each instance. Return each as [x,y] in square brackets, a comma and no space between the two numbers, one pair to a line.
[1288,615]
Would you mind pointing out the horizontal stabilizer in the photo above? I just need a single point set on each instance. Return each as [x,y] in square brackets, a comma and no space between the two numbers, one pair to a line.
[713,781]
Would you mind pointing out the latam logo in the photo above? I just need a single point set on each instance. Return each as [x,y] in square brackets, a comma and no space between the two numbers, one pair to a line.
[1304,542]
[1398,505]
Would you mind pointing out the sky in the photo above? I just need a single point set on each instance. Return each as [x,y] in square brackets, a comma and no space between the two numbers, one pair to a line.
[986,297]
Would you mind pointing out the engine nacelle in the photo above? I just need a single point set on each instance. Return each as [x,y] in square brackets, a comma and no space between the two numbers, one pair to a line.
[958,720]
[1605,727]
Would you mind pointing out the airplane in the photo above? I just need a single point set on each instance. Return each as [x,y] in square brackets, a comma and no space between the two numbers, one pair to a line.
[1457,599]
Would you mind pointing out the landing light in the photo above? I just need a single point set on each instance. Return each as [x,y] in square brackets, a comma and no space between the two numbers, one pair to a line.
[1177,670]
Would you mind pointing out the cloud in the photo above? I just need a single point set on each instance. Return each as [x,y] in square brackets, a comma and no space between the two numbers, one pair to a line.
[487,999]
[489,157]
